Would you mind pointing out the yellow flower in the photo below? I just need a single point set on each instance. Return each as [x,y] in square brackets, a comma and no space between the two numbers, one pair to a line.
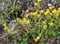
[27,10]
[59,9]
[50,14]
[4,24]
[41,11]
[51,24]
[14,20]
[36,4]
[27,22]
[33,13]
[37,38]
[44,22]
[57,14]
[38,15]
[59,22]
[9,31]
[24,20]
[54,11]
[19,20]
[45,27]
[47,12]
[38,1]
[51,7]
[5,28]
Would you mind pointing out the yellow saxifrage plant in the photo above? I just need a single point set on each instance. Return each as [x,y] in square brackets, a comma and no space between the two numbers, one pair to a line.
[38,20]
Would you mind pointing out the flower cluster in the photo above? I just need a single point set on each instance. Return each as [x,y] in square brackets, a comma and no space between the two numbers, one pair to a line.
[23,21]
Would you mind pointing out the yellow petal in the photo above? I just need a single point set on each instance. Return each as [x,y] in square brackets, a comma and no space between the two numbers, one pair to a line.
[51,7]
[54,11]
[36,40]
[4,24]
[38,37]
[27,21]
[51,23]
[41,11]
[24,19]
[45,27]
[9,31]
[38,1]
[36,4]
[38,15]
